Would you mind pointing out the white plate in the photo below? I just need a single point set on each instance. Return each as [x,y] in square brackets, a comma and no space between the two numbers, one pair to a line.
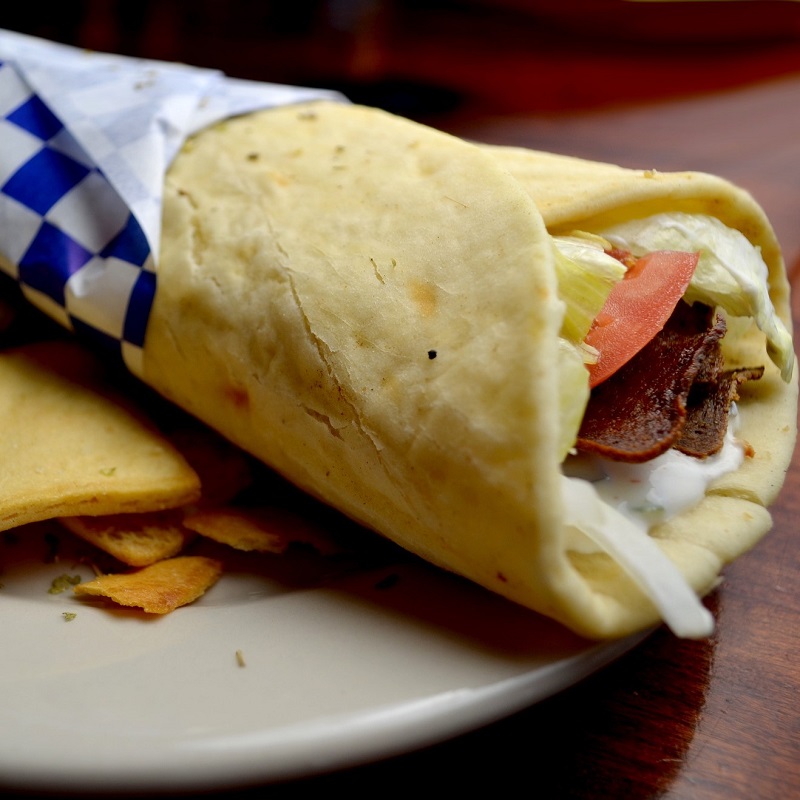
[341,667]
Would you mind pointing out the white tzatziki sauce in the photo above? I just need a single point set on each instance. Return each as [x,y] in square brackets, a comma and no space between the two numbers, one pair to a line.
[662,488]
[610,506]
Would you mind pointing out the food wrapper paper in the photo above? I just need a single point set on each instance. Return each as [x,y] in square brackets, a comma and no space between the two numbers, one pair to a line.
[85,141]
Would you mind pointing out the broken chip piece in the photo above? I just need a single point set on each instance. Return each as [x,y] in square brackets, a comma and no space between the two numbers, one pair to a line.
[135,539]
[75,447]
[159,588]
[267,529]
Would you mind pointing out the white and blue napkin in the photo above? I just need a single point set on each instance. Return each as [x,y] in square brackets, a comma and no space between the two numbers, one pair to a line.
[85,141]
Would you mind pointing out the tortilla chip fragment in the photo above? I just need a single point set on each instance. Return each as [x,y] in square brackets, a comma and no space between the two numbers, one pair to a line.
[135,539]
[159,588]
[263,529]
[74,447]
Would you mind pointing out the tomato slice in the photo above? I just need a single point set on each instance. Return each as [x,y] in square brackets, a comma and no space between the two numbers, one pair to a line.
[638,308]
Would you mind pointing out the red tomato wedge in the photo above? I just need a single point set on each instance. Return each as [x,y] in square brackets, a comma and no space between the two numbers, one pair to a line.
[638,308]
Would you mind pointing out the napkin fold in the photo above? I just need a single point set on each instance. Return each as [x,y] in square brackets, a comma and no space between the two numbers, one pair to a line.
[85,141]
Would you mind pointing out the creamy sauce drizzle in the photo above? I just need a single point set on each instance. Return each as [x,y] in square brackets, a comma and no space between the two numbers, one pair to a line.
[662,488]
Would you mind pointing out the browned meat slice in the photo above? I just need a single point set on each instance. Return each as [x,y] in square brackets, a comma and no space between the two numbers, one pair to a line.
[641,411]
[707,411]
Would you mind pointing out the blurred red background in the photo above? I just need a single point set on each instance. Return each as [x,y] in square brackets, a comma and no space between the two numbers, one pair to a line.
[465,57]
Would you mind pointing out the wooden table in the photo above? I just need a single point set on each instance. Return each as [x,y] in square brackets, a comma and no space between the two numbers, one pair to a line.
[674,719]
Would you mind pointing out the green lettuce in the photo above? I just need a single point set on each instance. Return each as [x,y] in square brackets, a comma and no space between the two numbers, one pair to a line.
[730,274]
[585,277]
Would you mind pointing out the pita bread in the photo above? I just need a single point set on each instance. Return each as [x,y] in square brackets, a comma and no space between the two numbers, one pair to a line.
[369,306]
[308,308]
[591,196]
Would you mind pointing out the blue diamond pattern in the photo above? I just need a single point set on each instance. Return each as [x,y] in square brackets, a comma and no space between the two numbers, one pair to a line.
[36,118]
[43,180]
[50,260]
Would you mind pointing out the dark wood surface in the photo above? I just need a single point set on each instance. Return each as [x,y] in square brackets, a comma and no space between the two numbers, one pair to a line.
[675,719]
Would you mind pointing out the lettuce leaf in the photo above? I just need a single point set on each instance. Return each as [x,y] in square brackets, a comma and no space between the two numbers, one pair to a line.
[731,273]
[639,556]
[585,277]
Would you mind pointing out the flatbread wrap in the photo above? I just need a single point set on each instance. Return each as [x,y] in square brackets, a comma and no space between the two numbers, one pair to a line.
[647,209]
[372,308]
